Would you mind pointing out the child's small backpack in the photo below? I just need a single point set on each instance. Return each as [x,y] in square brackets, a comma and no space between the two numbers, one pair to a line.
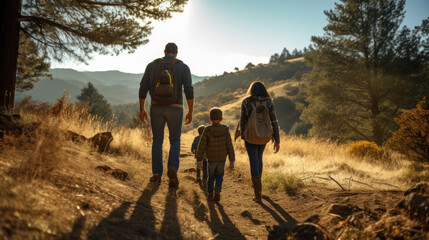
[164,87]
[258,129]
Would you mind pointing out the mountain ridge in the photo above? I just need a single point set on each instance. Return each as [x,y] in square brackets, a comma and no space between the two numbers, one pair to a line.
[117,87]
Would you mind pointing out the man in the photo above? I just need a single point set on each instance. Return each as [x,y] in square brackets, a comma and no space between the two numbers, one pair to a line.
[164,78]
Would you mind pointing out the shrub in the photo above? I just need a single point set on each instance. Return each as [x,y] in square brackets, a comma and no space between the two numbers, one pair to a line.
[412,137]
[288,183]
[364,149]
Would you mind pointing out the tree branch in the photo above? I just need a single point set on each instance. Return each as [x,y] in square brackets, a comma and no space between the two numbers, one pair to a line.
[51,23]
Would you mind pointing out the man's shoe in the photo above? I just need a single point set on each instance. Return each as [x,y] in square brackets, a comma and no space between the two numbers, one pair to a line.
[174,181]
[210,197]
[217,195]
[155,178]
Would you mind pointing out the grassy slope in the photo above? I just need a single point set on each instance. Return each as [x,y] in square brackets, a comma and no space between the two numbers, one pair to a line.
[50,189]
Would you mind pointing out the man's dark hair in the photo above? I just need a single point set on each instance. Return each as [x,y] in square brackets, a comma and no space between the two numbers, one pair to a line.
[215,114]
[171,48]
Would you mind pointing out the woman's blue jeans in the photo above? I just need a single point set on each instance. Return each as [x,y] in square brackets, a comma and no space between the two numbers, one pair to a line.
[255,153]
[159,116]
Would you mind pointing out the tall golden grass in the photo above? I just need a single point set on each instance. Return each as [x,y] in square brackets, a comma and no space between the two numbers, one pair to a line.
[313,161]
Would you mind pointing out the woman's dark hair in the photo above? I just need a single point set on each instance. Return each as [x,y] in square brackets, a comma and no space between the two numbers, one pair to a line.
[258,89]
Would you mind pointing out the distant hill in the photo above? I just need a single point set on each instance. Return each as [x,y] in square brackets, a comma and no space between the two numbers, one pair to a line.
[285,82]
[117,87]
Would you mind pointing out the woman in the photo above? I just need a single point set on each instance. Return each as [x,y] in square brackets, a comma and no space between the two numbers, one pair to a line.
[258,96]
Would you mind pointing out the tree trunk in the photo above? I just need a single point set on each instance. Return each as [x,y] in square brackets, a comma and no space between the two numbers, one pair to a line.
[377,130]
[9,42]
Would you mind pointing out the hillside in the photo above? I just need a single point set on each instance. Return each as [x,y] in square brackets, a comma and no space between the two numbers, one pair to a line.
[117,87]
[51,189]
[286,83]
[267,73]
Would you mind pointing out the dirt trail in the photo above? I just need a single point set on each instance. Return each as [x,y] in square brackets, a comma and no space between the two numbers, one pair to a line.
[162,213]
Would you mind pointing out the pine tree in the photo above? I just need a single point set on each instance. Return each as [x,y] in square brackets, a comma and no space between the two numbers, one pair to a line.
[365,70]
[99,106]
[75,29]
[31,64]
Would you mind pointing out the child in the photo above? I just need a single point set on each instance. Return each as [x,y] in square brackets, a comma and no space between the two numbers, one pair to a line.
[194,150]
[216,144]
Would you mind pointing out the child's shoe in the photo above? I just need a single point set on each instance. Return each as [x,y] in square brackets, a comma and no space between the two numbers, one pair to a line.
[210,197]
[217,195]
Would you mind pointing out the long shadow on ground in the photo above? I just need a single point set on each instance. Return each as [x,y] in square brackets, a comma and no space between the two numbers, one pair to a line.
[224,229]
[283,218]
[170,228]
[140,225]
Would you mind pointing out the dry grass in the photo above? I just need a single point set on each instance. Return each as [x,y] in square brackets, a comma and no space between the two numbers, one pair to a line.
[46,181]
[312,161]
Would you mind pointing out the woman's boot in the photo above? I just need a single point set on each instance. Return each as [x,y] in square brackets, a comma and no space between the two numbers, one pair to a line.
[260,186]
[256,188]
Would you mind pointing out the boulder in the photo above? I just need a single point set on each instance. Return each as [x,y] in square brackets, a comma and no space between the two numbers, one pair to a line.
[75,137]
[103,168]
[13,125]
[421,188]
[342,210]
[101,141]
[304,231]
[119,174]
[416,202]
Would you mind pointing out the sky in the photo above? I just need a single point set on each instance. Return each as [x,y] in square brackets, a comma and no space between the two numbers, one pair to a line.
[214,36]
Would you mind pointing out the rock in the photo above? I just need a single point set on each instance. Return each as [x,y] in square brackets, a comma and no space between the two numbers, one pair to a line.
[422,188]
[313,219]
[75,137]
[278,231]
[103,168]
[101,141]
[416,202]
[304,231]
[342,210]
[119,174]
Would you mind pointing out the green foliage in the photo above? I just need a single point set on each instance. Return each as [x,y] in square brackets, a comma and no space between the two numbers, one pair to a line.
[300,128]
[125,113]
[55,29]
[412,137]
[286,55]
[364,149]
[287,114]
[31,64]
[249,65]
[99,106]
[79,28]
[364,73]
[290,184]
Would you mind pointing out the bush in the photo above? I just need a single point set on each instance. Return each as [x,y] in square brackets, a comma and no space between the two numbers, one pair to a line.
[364,149]
[412,137]
[287,183]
